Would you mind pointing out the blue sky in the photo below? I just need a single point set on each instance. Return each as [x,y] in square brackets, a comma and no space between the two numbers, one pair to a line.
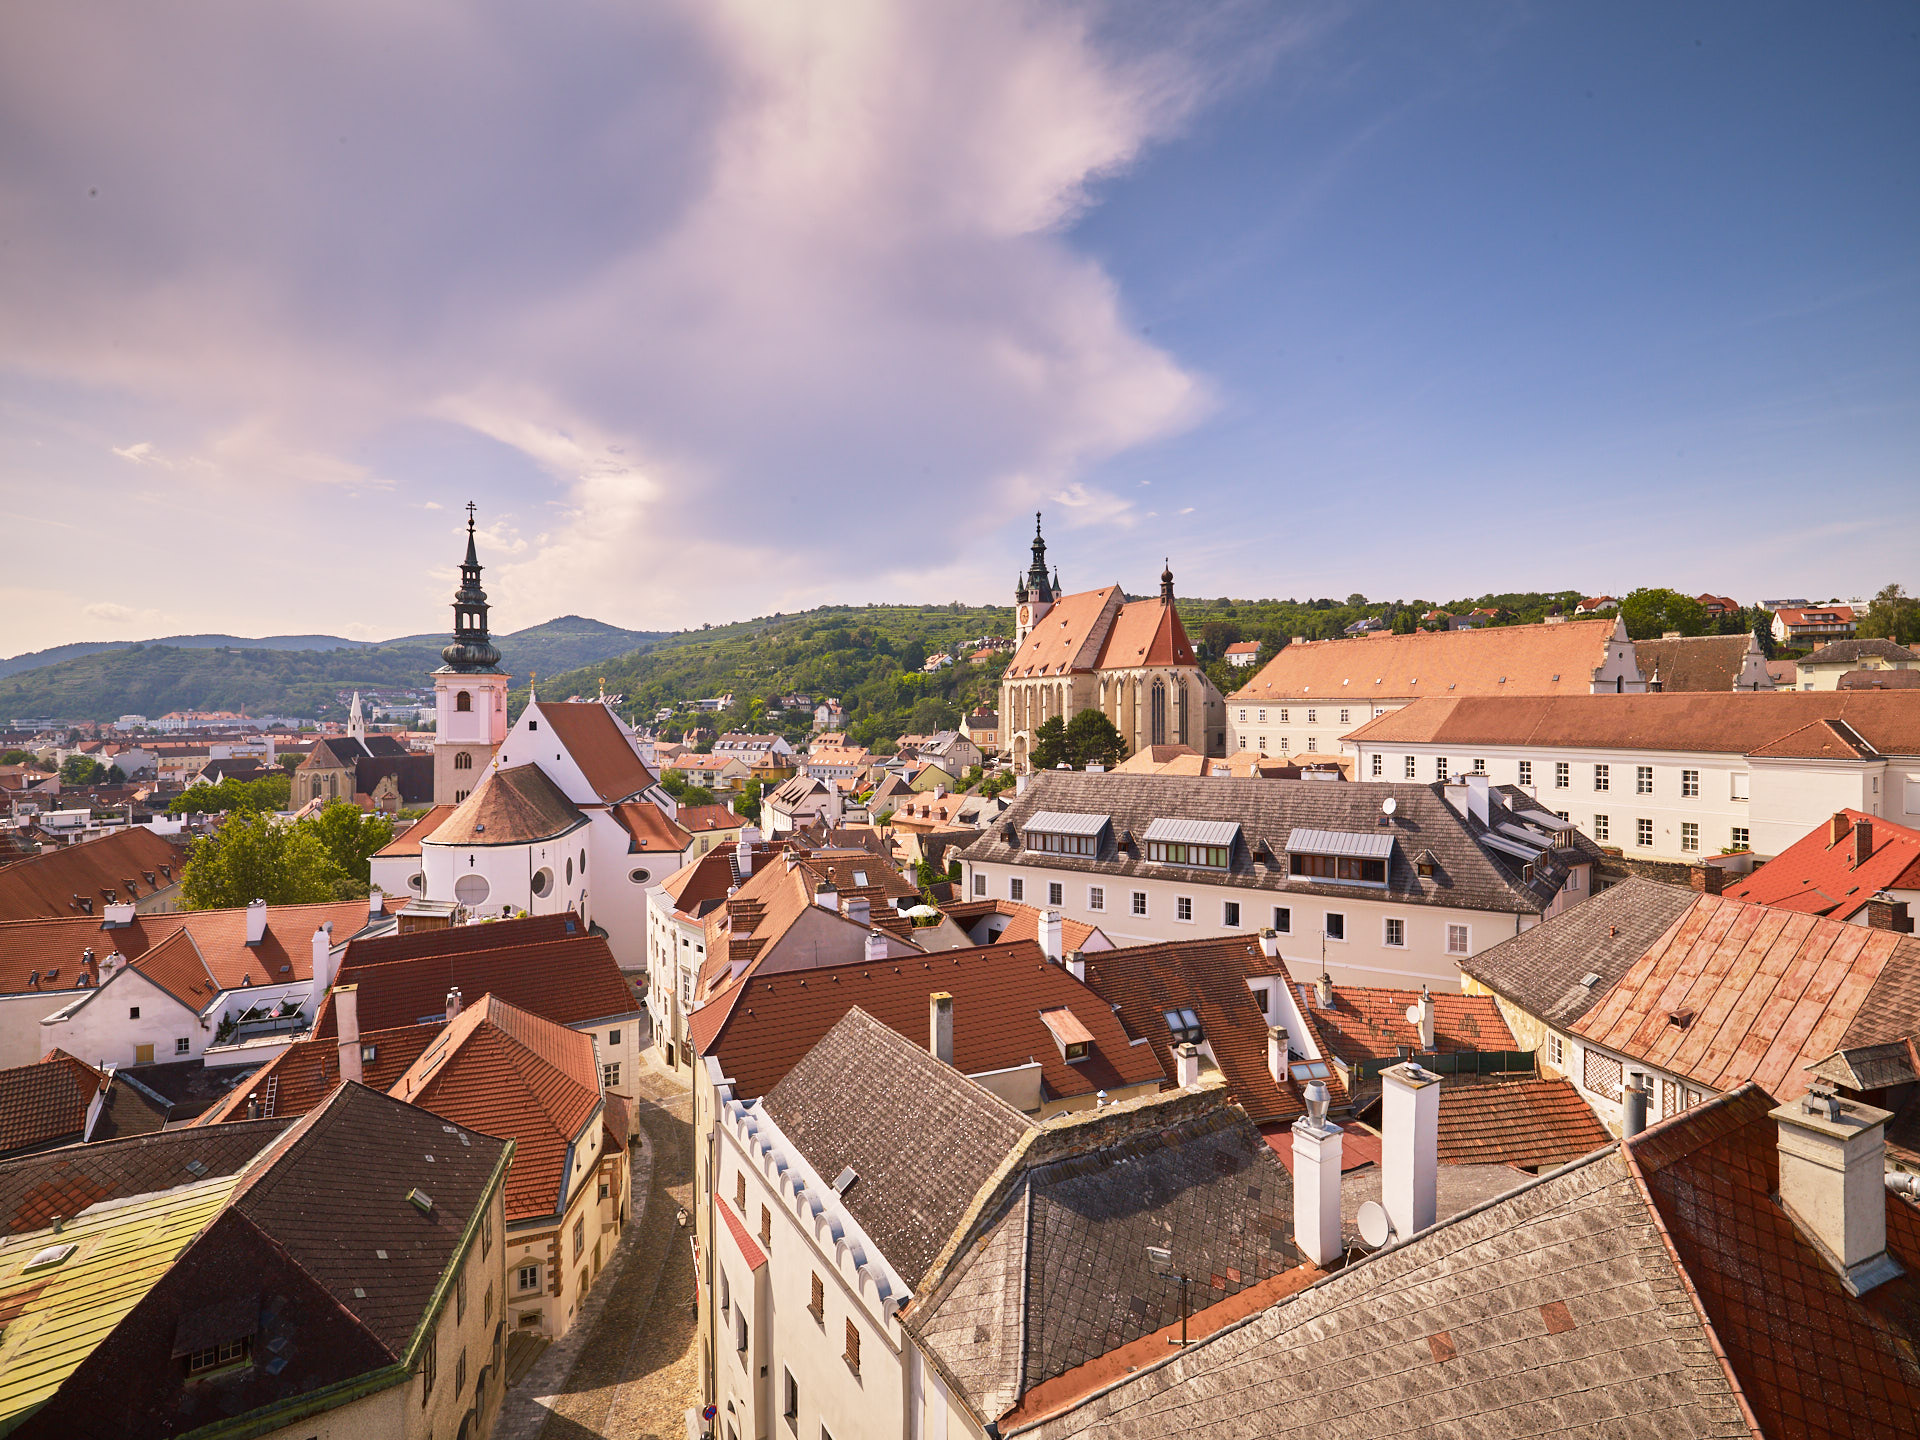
[719,310]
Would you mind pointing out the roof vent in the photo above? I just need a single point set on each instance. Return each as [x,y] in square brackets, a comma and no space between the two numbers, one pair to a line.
[1590,979]
[48,1258]
[420,1200]
[843,1182]
[196,1168]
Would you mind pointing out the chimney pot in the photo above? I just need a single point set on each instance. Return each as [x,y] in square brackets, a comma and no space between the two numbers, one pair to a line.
[743,856]
[1316,1182]
[1077,966]
[1708,879]
[825,895]
[376,904]
[454,1003]
[940,1026]
[1832,1182]
[1323,990]
[1270,943]
[1051,943]
[876,946]
[1409,1146]
[1278,1054]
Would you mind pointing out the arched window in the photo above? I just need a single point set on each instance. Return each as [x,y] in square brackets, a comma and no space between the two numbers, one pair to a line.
[463,701]
[463,761]
[1157,725]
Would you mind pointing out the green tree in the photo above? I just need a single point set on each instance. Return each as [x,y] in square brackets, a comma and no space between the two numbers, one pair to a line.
[749,802]
[82,770]
[255,857]
[350,837]
[1892,615]
[1650,613]
[1050,744]
[16,757]
[1090,736]
[271,792]
[932,715]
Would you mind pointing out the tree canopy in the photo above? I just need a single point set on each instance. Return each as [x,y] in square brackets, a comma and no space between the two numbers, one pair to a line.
[257,857]
[1892,615]
[82,770]
[270,792]
[1650,613]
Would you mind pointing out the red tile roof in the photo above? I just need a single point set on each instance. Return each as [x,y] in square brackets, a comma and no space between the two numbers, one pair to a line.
[44,885]
[699,819]
[1812,1360]
[749,1248]
[767,1022]
[506,1073]
[195,954]
[1067,637]
[594,738]
[568,981]
[407,842]
[302,1076]
[1735,992]
[515,806]
[45,1104]
[1517,1122]
[1208,977]
[1370,1023]
[454,939]
[1146,632]
[649,831]
[1823,872]
[1499,662]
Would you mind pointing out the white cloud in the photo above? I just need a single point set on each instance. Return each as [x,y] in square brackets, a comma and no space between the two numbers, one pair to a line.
[107,610]
[724,275]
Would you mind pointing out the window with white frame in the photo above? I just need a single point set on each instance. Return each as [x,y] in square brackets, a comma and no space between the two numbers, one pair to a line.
[1336,926]
[1690,784]
[527,1277]
[1313,717]
[1263,744]
[1263,717]
[1689,835]
[1562,774]
[1016,888]
[1283,718]
[1313,742]
[1643,779]
[1601,777]
[1440,767]
[1230,914]
[610,1075]
[1243,717]
[1643,833]
[1741,838]
[1560,814]
[1737,785]
[1479,767]
[1140,902]
[979,883]
[1377,766]
[1600,827]
[1096,897]
[1183,907]
[1284,744]
[1283,919]
[1243,742]
[1408,768]
[1459,940]
[1556,1051]
[1395,932]
[1343,718]
[1526,772]
[1056,893]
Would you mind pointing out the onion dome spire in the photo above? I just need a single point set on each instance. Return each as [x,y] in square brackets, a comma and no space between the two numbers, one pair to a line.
[472,649]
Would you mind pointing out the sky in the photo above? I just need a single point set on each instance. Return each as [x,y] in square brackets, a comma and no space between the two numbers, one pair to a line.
[720,309]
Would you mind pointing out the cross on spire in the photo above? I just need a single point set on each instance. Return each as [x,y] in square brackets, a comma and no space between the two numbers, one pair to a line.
[470,510]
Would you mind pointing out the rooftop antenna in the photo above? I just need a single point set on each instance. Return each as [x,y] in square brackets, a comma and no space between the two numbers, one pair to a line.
[1376,1229]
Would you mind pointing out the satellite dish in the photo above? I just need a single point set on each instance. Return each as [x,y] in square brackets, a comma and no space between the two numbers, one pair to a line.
[1413,1016]
[1389,805]
[1375,1229]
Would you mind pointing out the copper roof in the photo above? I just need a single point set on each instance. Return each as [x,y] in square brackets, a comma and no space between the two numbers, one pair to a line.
[1498,660]
[592,735]
[1736,724]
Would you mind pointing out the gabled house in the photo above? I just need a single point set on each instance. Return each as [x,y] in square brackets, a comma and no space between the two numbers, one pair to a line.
[1826,667]
[133,866]
[1813,625]
[1856,867]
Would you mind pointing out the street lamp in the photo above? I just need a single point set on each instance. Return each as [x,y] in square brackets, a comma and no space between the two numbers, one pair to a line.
[1161,1259]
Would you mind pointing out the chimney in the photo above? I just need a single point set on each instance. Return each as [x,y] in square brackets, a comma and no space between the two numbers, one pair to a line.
[1409,1146]
[256,922]
[876,947]
[1709,879]
[1278,1054]
[1833,1161]
[1019,786]
[1889,915]
[114,916]
[454,1004]
[1633,1108]
[1837,827]
[940,1026]
[860,910]
[1862,844]
[346,1013]
[939,792]
[1323,991]
[1477,798]
[1077,966]
[376,904]
[1316,1180]
[1050,942]
[322,962]
[1270,943]
[825,895]
[743,857]
[1186,1061]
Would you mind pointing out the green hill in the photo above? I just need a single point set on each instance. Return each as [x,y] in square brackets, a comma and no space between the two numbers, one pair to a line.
[152,679]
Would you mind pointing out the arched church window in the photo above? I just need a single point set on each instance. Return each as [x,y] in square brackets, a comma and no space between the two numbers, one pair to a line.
[463,761]
[463,701]
[1157,724]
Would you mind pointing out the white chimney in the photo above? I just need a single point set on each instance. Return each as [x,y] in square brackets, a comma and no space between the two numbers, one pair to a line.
[827,896]
[860,910]
[1477,798]
[376,904]
[743,857]
[1270,943]
[346,1014]
[1077,966]
[1186,1063]
[1323,991]
[1278,1054]
[1019,785]
[454,1004]
[256,922]
[1833,1161]
[939,792]
[322,963]
[1409,1146]
[113,916]
[876,947]
[940,1026]
[1316,1180]
[1420,1016]
[1050,942]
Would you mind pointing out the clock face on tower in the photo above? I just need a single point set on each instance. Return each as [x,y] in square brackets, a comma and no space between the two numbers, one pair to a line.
[1024,614]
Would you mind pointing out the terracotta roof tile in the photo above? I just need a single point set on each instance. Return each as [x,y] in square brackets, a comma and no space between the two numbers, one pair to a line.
[598,743]
[700,819]
[301,1077]
[44,885]
[1146,632]
[1823,872]
[1531,1123]
[510,807]
[743,1240]
[1067,637]
[45,1103]
[1370,1023]
[1694,662]
[407,842]
[649,830]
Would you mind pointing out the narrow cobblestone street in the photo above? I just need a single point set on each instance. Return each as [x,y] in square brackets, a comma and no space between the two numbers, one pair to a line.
[633,1371]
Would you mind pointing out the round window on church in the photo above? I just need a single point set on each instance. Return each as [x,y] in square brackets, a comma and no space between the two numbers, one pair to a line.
[471,889]
[640,877]
[542,881]
[416,882]
[569,872]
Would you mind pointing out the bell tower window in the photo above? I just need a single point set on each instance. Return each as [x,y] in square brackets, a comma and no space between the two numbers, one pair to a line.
[463,702]
[463,761]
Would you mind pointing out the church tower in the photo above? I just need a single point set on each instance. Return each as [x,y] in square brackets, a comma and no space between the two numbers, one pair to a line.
[470,691]
[1033,596]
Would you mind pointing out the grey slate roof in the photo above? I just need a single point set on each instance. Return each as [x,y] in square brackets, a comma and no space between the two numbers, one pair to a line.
[921,1136]
[1847,651]
[1540,970]
[1555,1311]
[1468,875]
[1059,1274]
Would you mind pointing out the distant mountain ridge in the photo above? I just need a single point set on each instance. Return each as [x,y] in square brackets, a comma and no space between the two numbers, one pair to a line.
[101,681]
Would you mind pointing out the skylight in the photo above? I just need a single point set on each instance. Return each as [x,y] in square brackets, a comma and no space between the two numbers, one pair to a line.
[1185,1026]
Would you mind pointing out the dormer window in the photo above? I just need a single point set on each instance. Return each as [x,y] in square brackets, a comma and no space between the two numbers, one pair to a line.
[1205,843]
[1339,857]
[1064,833]
[1184,1026]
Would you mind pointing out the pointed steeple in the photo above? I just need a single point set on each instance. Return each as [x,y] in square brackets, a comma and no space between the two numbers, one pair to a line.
[472,649]
[1166,583]
[356,720]
[1039,590]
